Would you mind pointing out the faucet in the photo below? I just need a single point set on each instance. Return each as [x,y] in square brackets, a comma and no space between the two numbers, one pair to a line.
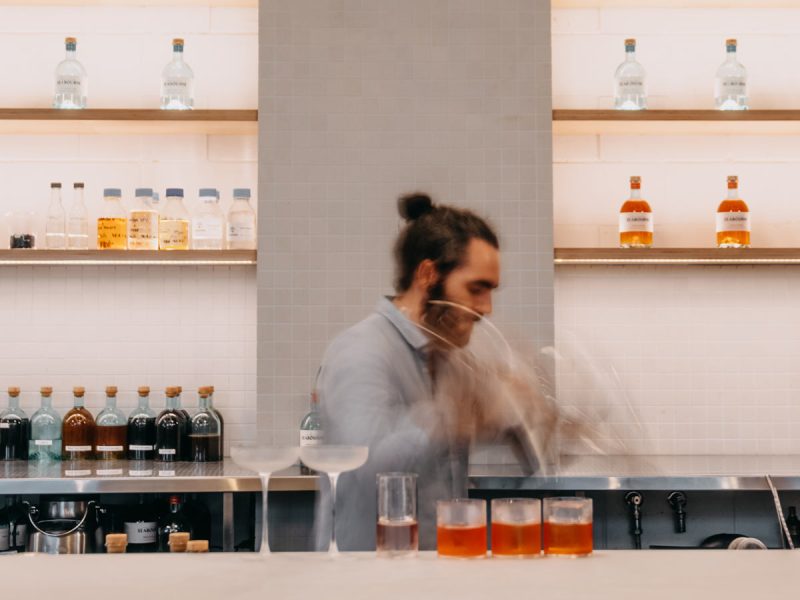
[677,500]
[634,501]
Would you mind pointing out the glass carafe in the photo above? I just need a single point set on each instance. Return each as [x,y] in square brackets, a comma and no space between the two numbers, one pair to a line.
[45,442]
[171,426]
[205,429]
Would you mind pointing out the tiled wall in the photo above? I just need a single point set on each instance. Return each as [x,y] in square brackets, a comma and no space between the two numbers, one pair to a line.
[128,326]
[360,102]
[679,360]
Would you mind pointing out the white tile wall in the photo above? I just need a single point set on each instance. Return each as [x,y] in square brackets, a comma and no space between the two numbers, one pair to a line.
[128,326]
[678,360]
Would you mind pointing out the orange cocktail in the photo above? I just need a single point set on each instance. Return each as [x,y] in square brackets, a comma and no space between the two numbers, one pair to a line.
[516,527]
[461,528]
[568,526]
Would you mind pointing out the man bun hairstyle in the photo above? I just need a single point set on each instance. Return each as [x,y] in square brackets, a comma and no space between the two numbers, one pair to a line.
[434,232]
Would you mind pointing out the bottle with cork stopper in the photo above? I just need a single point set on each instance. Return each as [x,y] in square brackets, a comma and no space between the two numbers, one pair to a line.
[112,429]
[78,429]
[733,219]
[171,429]
[14,427]
[142,428]
[45,439]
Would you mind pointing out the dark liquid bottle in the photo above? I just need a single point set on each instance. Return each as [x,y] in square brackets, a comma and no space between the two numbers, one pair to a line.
[14,429]
[142,429]
[205,441]
[111,431]
[141,526]
[173,521]
[185,448]
[793,525]
[171,426]
[221,421]
[17,524]
[77,430]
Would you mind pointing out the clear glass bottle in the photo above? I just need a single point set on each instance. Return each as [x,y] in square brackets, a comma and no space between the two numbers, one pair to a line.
[141,526]
[630,92]
[72,83]
[45,442]
[171,427]
[177,81]
[143,222]
[208,224]
[111,429]
[205,430]
[55,233]
[311,431]
[78,221]
[241,222]
[635,219]
[173,222]
[14,426]
[112,225]
[155,201]
[142,428]
[733,219]
[78,430]
[730,88]
[172,521]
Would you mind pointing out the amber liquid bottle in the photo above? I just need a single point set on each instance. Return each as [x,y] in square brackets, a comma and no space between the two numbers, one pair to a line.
[733,219]
[635,219]
[77,430]
[112,430]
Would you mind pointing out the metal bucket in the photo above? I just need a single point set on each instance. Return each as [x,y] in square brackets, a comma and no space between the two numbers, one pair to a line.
[68,528]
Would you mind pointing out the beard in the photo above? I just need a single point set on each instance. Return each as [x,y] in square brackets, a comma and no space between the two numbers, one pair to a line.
[452,325]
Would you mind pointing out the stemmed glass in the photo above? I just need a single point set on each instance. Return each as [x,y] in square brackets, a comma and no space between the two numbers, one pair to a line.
[264,460]
[333,460]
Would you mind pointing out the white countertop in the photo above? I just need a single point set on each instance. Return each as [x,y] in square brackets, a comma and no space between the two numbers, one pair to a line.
[650,575]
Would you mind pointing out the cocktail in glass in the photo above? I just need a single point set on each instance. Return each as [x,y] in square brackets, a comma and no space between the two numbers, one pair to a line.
[568,526]
[264,460]
[516,527]
[461,528]
[397,530]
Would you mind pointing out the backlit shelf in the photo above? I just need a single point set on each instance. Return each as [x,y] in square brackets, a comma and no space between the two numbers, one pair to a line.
[127,121]
[130,257]
[676,122]
[676,256]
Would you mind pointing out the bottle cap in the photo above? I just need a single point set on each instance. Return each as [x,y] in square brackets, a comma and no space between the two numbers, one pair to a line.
[177,42]
[46,391]
[78,185]
[241,192]
[112,193]
[144,390]
[730,42]
[144,192]
[116,543]
[173,192]
[733,181]
[197,546]
[209,193]
[13,392]
[78,391]
[630,42]
[55,186]
[204,391]
[172,392]
[71,42]
[636,182]
[111,390]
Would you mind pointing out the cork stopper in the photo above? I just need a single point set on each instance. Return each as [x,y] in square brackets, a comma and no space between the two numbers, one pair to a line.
[733,182]
[46,391]
[197,546]
[178,542]
[111,390]
[630,42]
[172,392]
[204,391]
[636,182]
[116,543]
[78,185]
[70,40]
[144,390]
[78,392]
[730,42]
[177,41]
[13,392]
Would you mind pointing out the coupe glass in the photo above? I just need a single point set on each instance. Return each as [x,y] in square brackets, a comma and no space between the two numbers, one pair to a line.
[334,460]
[264,460]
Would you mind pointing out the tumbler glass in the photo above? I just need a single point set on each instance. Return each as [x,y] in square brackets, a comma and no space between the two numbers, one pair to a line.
[516,527]
[398,531]
[461,528]
[568,526]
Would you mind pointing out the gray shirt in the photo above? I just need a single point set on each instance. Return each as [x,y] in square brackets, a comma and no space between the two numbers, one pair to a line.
[376,390]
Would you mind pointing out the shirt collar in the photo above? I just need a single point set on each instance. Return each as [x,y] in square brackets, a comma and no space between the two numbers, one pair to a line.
[412,334]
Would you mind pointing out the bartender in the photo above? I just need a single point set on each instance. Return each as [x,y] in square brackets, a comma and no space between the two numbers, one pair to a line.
[378,380]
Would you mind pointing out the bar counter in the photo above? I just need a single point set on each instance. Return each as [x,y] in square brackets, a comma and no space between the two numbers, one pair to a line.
[727,574]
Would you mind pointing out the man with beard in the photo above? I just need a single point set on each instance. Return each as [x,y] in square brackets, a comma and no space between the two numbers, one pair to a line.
[378,381]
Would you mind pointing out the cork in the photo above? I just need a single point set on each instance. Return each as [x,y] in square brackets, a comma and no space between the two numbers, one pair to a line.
[178,542]
[144,390]
[204,391]
[197,546]
[177,41]
[46,391]
[71,40]
[111,390]
[172,392]
[79,391]
[116,543]
[13,392]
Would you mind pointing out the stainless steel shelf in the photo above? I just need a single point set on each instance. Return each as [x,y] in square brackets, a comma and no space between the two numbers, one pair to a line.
[96,477]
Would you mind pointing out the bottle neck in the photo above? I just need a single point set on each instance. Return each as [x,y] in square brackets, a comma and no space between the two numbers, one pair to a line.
[630,55]
[13,402]
[636,194]
[730,55]
[204,402]
[111,402]
[78,402]
[55,196]
[733,193]
[47,402]
[71,54]
[144,401]
[174,507]
[177,55]
[173,402]
[78,195]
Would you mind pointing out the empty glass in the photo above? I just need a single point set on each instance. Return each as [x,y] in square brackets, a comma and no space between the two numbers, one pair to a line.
[461,528]
[516,527]
[398,530]
[568,526]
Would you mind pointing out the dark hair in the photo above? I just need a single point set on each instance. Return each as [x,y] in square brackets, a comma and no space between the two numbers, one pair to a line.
[435,232]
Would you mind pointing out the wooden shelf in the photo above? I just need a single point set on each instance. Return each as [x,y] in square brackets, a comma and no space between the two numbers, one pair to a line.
[127,121]
[675,122]
[676,256]
[129,257]
[675,3]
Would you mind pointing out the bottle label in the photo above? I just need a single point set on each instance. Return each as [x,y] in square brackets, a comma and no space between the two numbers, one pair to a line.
[241,233]
[733,221]
[77,473]
[112,233]
[631,86]
[43,442]
[167,451]
[175,86]
[141,473]
[140,448]
[108,472]
[735,86]
[4,538]
[311,437]
[143,230]
[78,448]
[141,532]
[5,425]
[636,221]
[68,85]
[166,473]
[207,228]
[110,448]
[173,234]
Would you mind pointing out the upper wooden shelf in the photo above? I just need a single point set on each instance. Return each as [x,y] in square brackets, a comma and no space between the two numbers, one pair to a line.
[127,121]
[675,3]
[663,122]
[126,257]
[677,256]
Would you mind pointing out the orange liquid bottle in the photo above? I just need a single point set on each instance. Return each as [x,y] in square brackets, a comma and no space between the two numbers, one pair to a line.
[77,430]
[516,539]
[469,541]
[733,219]
[635,219]
[572,539]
